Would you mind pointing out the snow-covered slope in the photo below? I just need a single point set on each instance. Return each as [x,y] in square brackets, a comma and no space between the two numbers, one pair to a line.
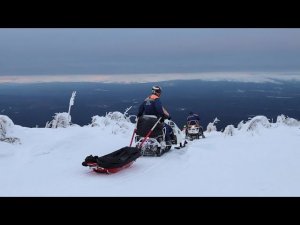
[258,159]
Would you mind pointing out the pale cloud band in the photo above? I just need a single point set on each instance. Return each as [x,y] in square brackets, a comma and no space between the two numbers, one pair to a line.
[257,77]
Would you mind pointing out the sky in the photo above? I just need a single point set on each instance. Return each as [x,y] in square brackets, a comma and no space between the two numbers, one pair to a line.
[86,51]
[261,161]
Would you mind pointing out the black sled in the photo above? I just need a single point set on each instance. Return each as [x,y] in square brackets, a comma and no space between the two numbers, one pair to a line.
[113,162]
[120,159]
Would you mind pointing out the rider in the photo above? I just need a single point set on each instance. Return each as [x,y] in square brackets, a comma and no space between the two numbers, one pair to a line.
[194,117]
[152,106]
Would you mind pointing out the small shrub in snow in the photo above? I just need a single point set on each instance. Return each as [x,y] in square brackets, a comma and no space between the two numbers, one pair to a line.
[117,121]
[240,125]
[229,130]
[116,116]
[211,126]
[256,122]
[282,119]
[111,118]
[5,125]
[60,120]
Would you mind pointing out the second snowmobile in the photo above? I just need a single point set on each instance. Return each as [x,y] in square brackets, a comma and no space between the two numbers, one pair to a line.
[194,130]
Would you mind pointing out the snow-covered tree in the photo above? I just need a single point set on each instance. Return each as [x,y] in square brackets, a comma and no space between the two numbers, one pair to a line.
[229,130]
[116,121]
[282,119]
[240,125]
[63,119]
[60,120]
[211,126]
[6,124]
[256,122]
[70,104]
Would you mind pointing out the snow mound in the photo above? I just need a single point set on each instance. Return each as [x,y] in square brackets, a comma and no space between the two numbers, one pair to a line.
[116,121]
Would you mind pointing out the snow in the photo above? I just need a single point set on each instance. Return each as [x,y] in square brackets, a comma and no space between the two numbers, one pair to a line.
[261,161]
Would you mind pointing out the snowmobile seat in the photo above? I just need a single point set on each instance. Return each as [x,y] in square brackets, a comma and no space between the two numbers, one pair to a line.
[144,125]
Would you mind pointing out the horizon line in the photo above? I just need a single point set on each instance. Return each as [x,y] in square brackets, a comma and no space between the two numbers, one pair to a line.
[248,77]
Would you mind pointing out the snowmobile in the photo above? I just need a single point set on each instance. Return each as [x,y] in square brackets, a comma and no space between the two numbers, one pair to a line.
[154,144]
[178,139]
[194,130]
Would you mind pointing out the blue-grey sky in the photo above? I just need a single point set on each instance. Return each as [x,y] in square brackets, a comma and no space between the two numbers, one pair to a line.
[125,51]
